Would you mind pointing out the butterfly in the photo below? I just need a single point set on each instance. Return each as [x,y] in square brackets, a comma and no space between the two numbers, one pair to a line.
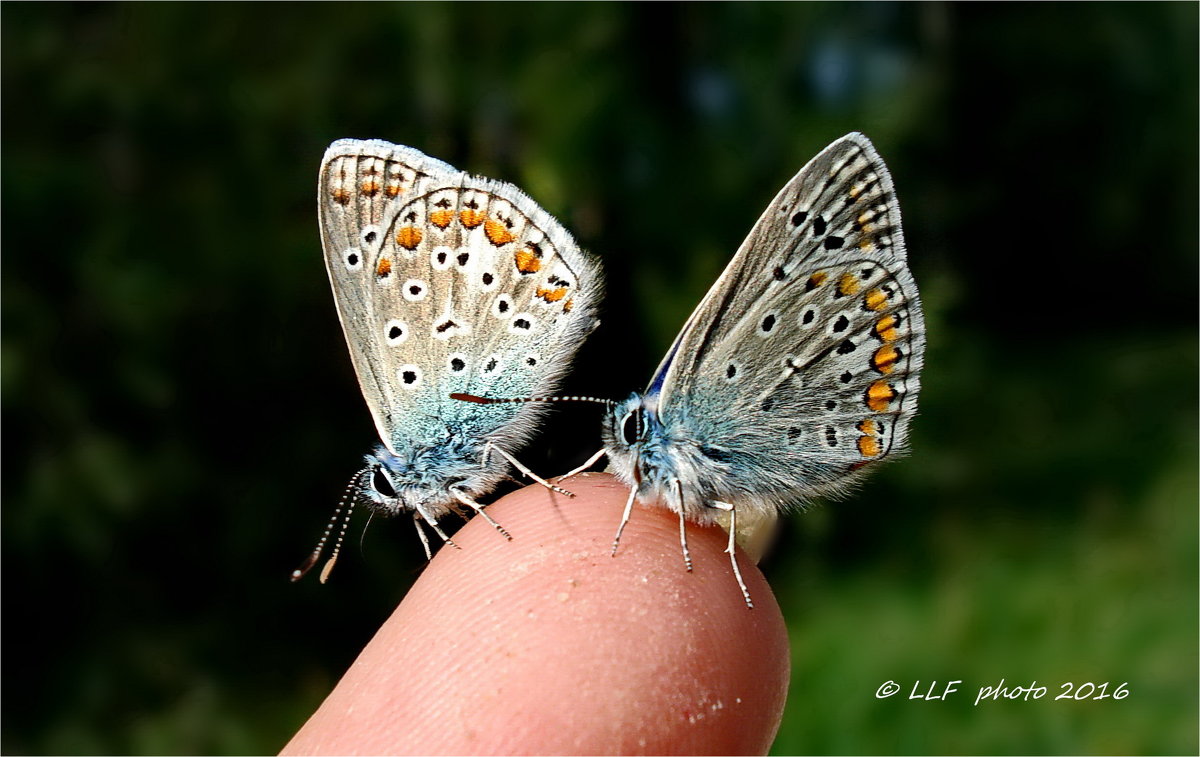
[799,370]
[444,282]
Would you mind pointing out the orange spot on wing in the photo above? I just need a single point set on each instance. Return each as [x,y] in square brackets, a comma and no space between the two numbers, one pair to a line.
[848,284]
[868,446]
[340,195]
[370,187]
[392,189]
[471,218]
[817,279]
[384,268]
[885,328]
[441,218]
[884,359]
[866,244]
[497,233]
[568,305]
[879,395]
[408,237]
[868,426]
[875,300]
[552,295]
[528,261]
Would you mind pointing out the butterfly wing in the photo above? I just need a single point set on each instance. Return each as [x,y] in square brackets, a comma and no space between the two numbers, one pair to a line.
[811,341]
[446,283]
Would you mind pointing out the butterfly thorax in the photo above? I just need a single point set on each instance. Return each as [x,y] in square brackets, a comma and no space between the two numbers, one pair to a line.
[666,463]
[421,477]
[676,460]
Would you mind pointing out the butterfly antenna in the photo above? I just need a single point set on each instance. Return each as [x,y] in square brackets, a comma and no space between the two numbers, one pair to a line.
[337,547]
[312,559]
[496,400]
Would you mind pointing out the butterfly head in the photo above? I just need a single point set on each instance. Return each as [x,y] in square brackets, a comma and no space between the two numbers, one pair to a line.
[379,487]
[391,483]
[629,425]
[632,435]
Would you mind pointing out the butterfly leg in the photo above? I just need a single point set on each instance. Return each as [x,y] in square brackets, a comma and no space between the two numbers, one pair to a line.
[624,518]
[463,498]
[421,533]
[517,464]
[732,549]
[687,555]
[590,462]
[432,523]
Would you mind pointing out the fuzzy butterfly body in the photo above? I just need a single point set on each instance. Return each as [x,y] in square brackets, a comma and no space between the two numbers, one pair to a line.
[800,368]
[445,282]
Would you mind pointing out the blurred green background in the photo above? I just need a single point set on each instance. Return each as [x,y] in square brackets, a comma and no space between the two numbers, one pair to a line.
[180,413]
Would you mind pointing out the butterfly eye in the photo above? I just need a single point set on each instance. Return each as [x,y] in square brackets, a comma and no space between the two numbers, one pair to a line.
[381,483]
[631,427]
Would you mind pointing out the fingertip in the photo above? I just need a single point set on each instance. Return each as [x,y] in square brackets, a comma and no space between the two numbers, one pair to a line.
[547,644]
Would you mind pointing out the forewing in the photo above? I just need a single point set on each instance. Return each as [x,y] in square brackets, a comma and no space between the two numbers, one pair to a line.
[813,336]
[465,285]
